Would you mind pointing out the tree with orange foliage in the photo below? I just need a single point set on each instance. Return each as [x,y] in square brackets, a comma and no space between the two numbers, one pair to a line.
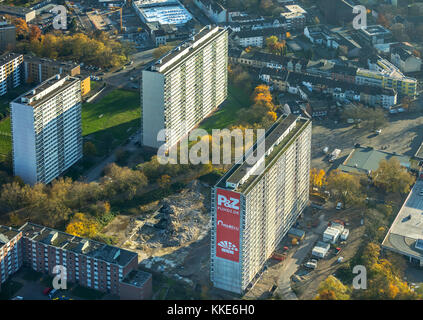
[34,33]
[317,178]
[21,26]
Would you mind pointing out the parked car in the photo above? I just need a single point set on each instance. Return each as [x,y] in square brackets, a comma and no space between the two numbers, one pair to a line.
[312,264]
[337,251]
[339,206]
[421,192]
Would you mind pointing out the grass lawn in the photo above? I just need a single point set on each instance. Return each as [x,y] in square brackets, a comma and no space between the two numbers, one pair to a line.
[112,120]
[5,136]
[226,116]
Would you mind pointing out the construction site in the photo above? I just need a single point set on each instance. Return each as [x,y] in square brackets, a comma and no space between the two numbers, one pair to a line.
[171,236]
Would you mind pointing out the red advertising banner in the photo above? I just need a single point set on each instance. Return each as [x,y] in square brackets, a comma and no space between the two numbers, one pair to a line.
[227,224]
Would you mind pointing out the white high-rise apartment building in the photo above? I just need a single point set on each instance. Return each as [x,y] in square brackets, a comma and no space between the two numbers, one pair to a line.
[46,129]
[184,86]
[11,71]
[252,210]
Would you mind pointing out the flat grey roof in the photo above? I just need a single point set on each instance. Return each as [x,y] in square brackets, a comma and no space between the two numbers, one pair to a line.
[407,227]
[239,170]
[44,86]
[137,278]
[178,52]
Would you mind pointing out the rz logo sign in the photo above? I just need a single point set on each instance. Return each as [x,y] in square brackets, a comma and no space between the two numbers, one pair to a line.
[231,203]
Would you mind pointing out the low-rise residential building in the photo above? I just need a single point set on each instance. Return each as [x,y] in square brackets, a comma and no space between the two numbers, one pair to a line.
[304,84]
[404,58]
[19,12]
[88,263]
[214,10]
[375,34]
[40,69]
[294,17]
[257,37]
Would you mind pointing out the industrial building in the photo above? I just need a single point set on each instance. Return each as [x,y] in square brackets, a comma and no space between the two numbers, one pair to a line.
[405,234]
[46,129]
[252,209]
[162,11]
[88,263]
[184,86]
[11,71]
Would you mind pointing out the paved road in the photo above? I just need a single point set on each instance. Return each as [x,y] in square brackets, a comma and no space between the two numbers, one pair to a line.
[121,79]
[295,259]
[95,173]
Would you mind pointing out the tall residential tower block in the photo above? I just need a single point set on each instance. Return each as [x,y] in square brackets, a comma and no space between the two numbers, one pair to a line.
[252,209]
[46,129]
[184,86]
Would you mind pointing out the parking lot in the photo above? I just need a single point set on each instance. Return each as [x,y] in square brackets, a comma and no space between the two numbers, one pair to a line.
[402,134]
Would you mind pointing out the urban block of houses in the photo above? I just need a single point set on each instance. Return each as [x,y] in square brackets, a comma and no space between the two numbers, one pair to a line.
[257,37]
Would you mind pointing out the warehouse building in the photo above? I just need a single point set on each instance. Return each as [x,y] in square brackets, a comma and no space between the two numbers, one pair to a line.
[183,87]
[253,209]
[46,129]
[162,11]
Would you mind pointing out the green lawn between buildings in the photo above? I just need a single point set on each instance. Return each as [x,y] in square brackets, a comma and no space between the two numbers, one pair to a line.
[110,121]
[227,115]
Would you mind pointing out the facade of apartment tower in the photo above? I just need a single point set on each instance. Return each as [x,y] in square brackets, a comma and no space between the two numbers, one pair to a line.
[184,86]
[252,210]
[46,129]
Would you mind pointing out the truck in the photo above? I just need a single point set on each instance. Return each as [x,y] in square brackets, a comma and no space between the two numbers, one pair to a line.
[334,155]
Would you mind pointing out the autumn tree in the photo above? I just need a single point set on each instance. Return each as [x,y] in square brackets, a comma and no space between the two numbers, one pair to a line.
[275,46]
[392,177]
[34,33]
[82,225]
[332,289]
[317,177]
[123,181]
